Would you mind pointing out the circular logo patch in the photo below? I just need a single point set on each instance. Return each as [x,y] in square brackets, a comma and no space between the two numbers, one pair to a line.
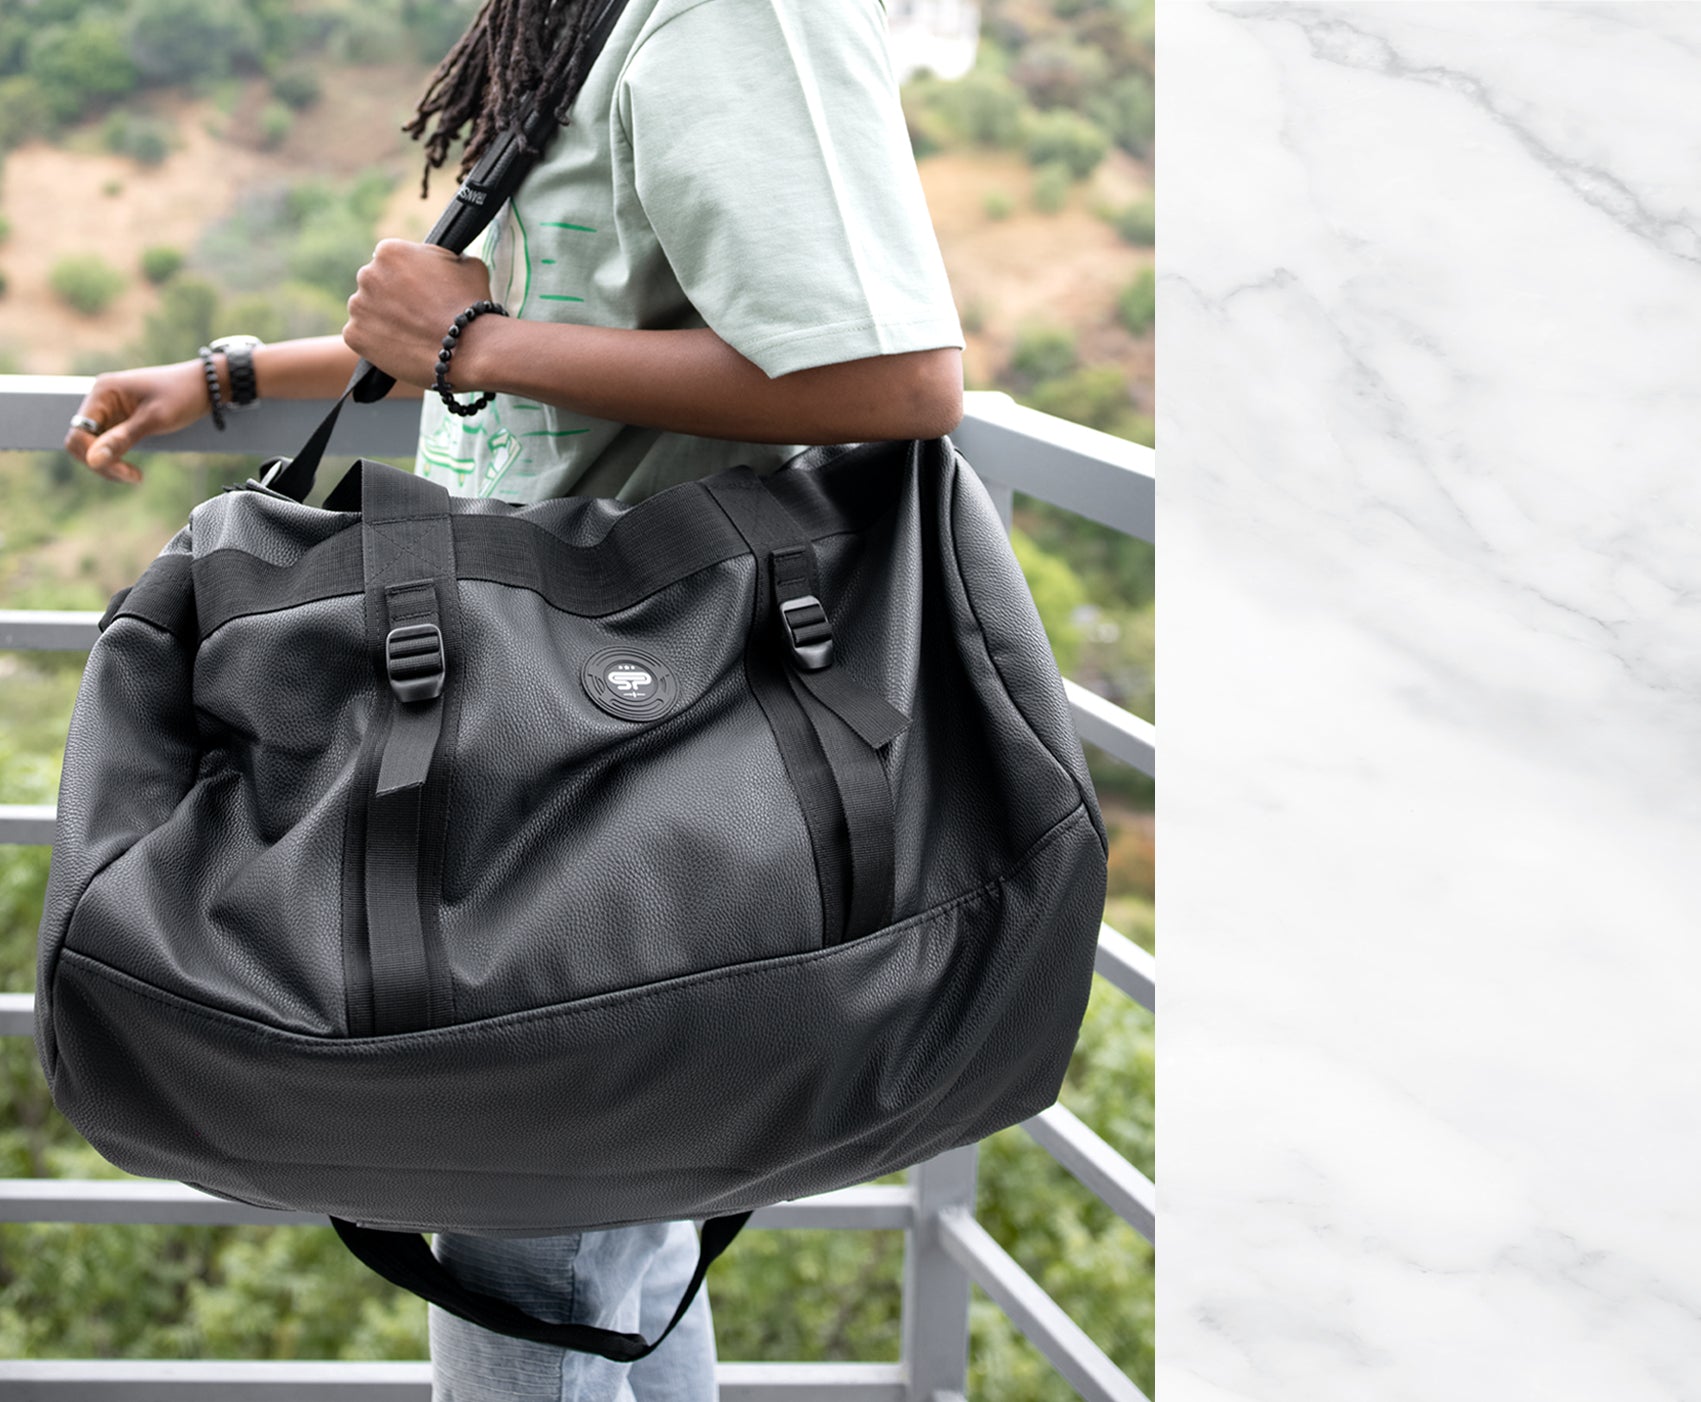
[630,684]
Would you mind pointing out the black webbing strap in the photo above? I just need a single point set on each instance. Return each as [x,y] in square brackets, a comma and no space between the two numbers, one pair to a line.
[875,719]
[849,722]
[164,596]
[409,562]
[492,181]
[404,1259]
[868,722]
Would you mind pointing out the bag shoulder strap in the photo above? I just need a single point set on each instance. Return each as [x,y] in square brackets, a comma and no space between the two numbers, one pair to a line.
[404,1259]
[489,185]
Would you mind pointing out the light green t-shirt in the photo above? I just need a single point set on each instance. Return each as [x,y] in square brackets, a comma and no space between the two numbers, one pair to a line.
[739,164]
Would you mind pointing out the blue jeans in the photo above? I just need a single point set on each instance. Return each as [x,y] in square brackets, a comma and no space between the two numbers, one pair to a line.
[627,1278]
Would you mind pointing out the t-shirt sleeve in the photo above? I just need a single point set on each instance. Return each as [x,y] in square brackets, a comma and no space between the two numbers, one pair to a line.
[771,158]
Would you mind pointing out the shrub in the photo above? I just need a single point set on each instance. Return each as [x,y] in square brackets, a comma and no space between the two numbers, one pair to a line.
[297,88]
[929,129]
[159,263]
[143,139]
[86,282]
[5,228]
[1137,306]
[1067,138]
[1095,395]
[80,66]
[987,108]
[175,41]
[1051,187]
[972,315]
[287,313]
[433,28]
[4,285]
[998,204]
[1059,72]
[1136,221]
[1042,353]
[183,319]
[23,110]
[276,120]
[367,34]
[112,188]
[1126,109]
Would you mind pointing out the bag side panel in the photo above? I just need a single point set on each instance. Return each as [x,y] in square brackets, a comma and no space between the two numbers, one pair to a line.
[967,800]
[131,754]
[997,594]
[232,899]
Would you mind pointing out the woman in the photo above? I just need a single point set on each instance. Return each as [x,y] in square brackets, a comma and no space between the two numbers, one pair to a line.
[724,256]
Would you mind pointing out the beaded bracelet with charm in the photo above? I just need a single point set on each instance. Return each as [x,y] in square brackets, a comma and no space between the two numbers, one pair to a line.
[447,353]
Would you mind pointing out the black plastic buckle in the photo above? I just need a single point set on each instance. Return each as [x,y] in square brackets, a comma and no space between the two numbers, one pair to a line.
[413,656]
[807,632]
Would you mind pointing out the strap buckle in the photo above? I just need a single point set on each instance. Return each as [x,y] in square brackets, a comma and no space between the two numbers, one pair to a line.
[413,657]
[807,632]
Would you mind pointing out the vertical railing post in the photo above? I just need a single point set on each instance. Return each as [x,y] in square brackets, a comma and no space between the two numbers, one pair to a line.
[1004,498]
[936,1288]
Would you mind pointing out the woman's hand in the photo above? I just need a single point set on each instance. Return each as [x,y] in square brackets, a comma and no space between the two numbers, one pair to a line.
[130,405]
[404,302]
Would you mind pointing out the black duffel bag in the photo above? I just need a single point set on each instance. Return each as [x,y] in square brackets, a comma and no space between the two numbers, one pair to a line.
[443,864]
[448,864]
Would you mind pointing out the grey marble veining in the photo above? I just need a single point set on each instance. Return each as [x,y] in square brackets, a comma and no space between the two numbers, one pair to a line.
[1429,660]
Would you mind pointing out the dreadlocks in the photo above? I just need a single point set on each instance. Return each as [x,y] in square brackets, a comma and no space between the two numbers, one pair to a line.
[512,52]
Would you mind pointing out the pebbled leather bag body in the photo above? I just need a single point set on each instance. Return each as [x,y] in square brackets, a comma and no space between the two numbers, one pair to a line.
[439,863]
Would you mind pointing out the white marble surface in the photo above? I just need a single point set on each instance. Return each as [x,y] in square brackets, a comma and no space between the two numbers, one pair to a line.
[1429,679]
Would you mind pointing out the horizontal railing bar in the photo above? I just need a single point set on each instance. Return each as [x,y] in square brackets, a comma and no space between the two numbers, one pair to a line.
[1083,1364]
[106,1380]
[1097,475]
[17,1015]
[48,630]
[36,410]
[1094,474]
[1107,725]
[155,1202]
[1127,966]
[1099,1168]
[26,824]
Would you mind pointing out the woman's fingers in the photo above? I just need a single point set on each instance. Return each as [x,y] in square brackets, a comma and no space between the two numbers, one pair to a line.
[106,453]
[122,422]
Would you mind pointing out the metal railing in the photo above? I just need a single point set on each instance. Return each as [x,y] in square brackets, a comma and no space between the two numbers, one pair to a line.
[1013,449]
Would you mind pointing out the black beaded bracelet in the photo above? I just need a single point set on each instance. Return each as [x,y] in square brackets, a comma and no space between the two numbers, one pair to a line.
[448,351]
[212,374]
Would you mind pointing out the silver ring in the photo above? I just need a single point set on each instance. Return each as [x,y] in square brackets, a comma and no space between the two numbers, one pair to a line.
[84,422]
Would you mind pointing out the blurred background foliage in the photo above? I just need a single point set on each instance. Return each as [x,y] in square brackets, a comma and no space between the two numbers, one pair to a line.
[1061,90]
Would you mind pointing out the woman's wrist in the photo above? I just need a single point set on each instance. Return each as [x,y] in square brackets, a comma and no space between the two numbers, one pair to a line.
[481,352]
[309,367]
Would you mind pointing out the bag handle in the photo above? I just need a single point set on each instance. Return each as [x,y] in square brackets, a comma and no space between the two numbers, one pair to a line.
[404,1259]
[488,186]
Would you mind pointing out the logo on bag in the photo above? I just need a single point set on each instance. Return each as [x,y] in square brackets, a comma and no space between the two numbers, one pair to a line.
[631,684]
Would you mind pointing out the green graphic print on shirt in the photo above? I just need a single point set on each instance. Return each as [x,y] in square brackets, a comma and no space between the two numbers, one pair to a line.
[450,442]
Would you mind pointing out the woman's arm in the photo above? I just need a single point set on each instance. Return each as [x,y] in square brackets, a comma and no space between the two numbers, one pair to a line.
[694,382]
[687,381]
[313,367]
